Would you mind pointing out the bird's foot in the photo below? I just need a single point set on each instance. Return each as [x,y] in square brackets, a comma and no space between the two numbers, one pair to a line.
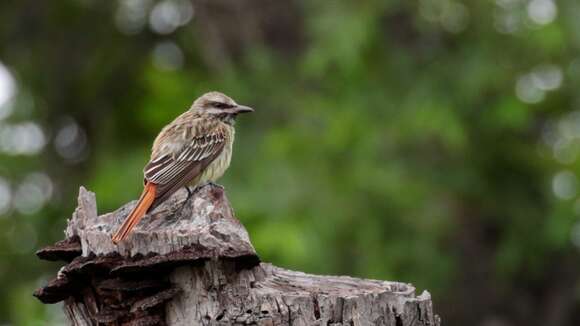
[190,193]
[215,185]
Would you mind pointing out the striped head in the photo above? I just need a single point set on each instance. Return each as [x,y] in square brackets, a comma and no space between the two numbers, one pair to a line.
[220,106]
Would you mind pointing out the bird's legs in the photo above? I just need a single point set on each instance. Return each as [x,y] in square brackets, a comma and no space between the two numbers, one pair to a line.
[191,192]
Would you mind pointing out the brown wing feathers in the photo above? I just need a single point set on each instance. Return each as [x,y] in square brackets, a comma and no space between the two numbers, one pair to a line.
[168,172]
[171,173]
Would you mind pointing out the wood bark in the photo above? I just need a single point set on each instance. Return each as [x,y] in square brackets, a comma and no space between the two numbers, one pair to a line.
[191,262]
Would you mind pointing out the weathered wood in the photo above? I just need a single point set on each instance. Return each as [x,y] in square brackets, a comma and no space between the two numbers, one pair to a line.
[191,262]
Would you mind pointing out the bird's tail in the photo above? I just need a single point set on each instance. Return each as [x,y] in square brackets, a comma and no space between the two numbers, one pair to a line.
[145,202]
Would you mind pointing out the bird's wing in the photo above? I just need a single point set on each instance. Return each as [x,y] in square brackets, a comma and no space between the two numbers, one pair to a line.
[187,161]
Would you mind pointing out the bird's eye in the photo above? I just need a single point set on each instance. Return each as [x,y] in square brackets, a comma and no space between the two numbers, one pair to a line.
[221,105]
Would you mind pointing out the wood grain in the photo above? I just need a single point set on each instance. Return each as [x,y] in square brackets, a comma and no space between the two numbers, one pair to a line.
[191,262]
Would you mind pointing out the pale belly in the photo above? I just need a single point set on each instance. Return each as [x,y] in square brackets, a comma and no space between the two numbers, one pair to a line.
[218,167]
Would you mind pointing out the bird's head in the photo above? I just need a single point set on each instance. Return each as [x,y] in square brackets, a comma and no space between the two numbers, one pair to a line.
[219,106]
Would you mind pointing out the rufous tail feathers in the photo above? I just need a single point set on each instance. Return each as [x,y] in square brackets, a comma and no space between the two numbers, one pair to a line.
[146,200]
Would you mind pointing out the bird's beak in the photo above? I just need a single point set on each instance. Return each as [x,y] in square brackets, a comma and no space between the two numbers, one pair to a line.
[243,109]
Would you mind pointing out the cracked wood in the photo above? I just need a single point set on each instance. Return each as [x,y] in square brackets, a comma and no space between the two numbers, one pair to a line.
[191,262]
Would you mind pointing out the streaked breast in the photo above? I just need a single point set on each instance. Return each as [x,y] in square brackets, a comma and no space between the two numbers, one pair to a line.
[219,166]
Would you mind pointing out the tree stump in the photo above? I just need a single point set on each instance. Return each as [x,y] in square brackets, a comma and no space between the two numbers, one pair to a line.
[191,262]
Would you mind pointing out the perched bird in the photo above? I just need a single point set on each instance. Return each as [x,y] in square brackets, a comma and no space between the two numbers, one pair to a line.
[194,149]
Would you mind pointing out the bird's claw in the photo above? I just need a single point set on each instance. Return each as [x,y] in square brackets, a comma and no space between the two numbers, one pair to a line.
[216,185]
[190,192]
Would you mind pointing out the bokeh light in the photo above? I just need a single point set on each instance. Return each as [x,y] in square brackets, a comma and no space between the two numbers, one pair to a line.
[25,138]
[565,185]
[131,15]
[5,196]
[71,141]
[542,12]
[7,86]
[34,191]
[166,16]
[167,56]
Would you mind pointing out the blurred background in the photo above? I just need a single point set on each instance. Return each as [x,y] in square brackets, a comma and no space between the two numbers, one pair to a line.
[434,142]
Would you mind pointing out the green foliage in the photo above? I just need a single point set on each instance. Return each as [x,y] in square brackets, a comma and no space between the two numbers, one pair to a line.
[426,142]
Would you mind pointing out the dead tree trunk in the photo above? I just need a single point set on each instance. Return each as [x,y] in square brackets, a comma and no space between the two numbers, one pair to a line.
[191,262]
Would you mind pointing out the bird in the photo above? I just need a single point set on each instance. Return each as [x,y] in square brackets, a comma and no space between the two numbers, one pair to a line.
[192,150]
